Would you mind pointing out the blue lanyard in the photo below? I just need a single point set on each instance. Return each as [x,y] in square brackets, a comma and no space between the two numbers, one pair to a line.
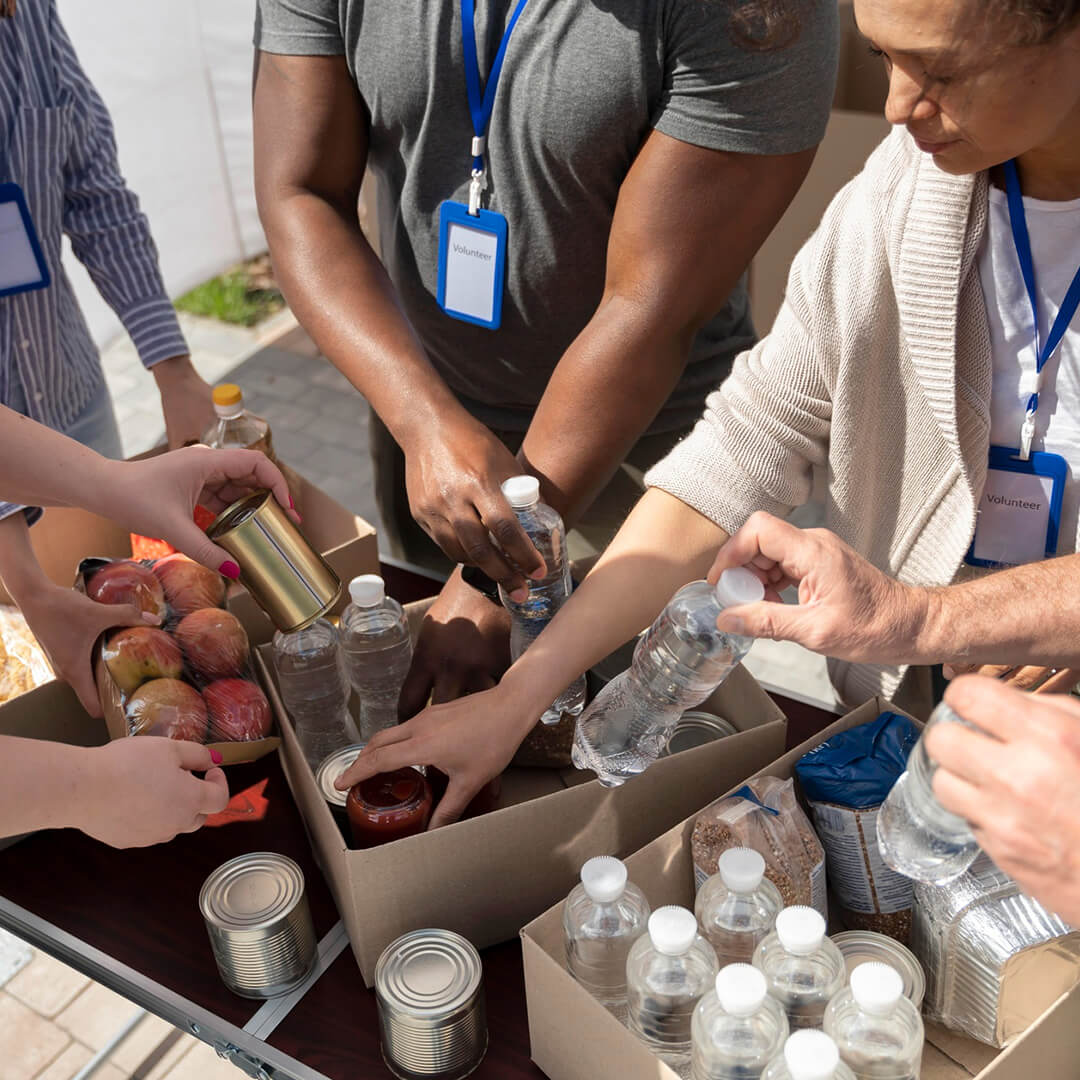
[1043,352]
[481,102]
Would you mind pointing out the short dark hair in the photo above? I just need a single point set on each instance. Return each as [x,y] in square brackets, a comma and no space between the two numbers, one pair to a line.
[764,25]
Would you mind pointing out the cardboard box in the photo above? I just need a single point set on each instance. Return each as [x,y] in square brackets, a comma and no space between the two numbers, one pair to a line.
[487,876]
[574,1038]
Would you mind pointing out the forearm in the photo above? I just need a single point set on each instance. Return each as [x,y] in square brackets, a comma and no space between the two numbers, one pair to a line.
[43,785]
[19,569]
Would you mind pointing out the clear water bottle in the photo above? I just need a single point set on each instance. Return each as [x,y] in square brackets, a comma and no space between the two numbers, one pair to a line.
[667,972]
[311,677]
[804,969]
[917,836]
[378,651]
[236,428]
[677,664]
[737,906]
[602,918]
[545,529]
[737,1028]
[877,1029]
[808,1055]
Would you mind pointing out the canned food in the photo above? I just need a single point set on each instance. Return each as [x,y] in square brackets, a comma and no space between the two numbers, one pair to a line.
[331,768]
[697,729]
[432,1021]
[260,928]
[861,946]
[286,577]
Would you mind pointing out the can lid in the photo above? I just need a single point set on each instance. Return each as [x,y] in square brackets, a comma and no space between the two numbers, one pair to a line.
[739,586]
[367,590]
[331,768]
[604,878]
[811,1055]
[672,930]
[861,946]
[251,892]
[521,491]
[800,929]
[741,989]
[697,729]
[876,988]
[428,973]
[741,869]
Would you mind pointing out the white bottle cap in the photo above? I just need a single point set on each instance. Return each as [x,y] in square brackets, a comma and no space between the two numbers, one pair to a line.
[367,590]
[672,930]
[801,930]
[741,869]
[739,586]
[811,1055]
[521,491]
[876,987]
[741,989]
[604,878]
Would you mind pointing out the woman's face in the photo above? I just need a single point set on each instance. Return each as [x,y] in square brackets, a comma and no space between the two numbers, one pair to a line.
[972,103]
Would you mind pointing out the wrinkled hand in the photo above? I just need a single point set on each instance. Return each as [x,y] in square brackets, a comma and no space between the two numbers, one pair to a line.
[454,482]
[66,624]
[157,496]
[187,401]
[463,646]
[847,608]
[1018,785]
[141,791]
[1041,680]
[471,740]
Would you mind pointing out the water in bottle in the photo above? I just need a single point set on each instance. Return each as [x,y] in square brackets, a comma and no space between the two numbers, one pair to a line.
[677,664]
[808,1055]
[737,1028]
[235,427]
[311,677]
[877,1029]
[917,836]
[544,527]
[737,906]
[668,970]
[602,918]
[804,969]
[378,651]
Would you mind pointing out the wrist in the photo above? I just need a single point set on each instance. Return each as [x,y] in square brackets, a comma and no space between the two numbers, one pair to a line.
[79,775]
[929,627]
[527,695]
[173,370]
[440,421]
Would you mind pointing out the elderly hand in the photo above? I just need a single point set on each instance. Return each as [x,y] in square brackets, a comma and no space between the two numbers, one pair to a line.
[1041,680]
[1018,784]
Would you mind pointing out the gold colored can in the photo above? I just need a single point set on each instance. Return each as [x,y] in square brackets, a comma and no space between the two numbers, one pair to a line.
[286,577]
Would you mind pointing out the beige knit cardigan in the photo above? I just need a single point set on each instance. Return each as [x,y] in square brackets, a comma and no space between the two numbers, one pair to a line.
[878,368]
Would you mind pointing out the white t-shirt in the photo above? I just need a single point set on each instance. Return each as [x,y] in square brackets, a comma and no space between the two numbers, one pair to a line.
[1054,230]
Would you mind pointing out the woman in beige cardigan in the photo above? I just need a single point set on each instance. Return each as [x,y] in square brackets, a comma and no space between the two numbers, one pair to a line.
[879,370]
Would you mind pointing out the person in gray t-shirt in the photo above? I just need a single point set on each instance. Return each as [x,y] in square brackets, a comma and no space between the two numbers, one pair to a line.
[640,151]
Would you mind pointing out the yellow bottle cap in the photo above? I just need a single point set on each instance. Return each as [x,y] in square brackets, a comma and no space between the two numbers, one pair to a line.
[227,394]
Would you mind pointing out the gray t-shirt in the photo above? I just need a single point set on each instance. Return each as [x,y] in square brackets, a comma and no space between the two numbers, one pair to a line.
[583,83]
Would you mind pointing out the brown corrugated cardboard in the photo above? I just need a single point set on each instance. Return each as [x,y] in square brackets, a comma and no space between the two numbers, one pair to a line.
[575,1038]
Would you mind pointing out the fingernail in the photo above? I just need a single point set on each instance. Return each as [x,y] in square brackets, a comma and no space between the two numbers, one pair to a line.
[151,618]
[230,570]
[538,575]
[948,671]
[519,596]
[733,625]
[292,505]
[215,757]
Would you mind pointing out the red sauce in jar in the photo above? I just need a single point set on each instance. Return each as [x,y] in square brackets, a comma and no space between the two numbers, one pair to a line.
[388,807]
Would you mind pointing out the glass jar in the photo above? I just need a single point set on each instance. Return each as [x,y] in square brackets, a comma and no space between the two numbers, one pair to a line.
[388,807]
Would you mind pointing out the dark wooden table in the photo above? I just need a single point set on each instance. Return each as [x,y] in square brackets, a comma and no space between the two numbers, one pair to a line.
[130,920]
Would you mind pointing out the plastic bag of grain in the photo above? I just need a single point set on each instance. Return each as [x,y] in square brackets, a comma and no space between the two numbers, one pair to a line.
[845,780]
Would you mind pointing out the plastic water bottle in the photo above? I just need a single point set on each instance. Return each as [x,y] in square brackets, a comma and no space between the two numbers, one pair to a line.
[311,677]
[545,529]
[808,1055]
[804,969]
[378,651]
[737,1028]
[667,972]
[737,906]
[917,836]
[602,918]
[677,664]
[877,1029]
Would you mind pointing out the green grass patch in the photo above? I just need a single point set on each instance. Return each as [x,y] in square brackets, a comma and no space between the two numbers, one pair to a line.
[231,298]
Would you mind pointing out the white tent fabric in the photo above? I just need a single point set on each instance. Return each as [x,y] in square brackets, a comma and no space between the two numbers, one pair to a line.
[177,80]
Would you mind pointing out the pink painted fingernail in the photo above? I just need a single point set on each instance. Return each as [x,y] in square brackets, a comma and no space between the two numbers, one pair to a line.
[292,505]
[230,570]
[215,757]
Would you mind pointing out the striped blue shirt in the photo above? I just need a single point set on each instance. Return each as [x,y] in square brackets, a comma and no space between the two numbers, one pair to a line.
[57,143]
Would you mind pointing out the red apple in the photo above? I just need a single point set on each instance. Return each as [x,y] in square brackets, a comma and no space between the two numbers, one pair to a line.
[238,709]
[127,582]
[214,643]
[189,586]
[170,708]
[140,653]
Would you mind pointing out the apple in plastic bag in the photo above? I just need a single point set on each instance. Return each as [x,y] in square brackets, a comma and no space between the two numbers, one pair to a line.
[214,643]
[189,586]
[128,582]
[167,707]
[238,710]
[138,653]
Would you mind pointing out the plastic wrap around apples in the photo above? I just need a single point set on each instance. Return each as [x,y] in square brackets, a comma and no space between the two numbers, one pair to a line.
[189,678]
